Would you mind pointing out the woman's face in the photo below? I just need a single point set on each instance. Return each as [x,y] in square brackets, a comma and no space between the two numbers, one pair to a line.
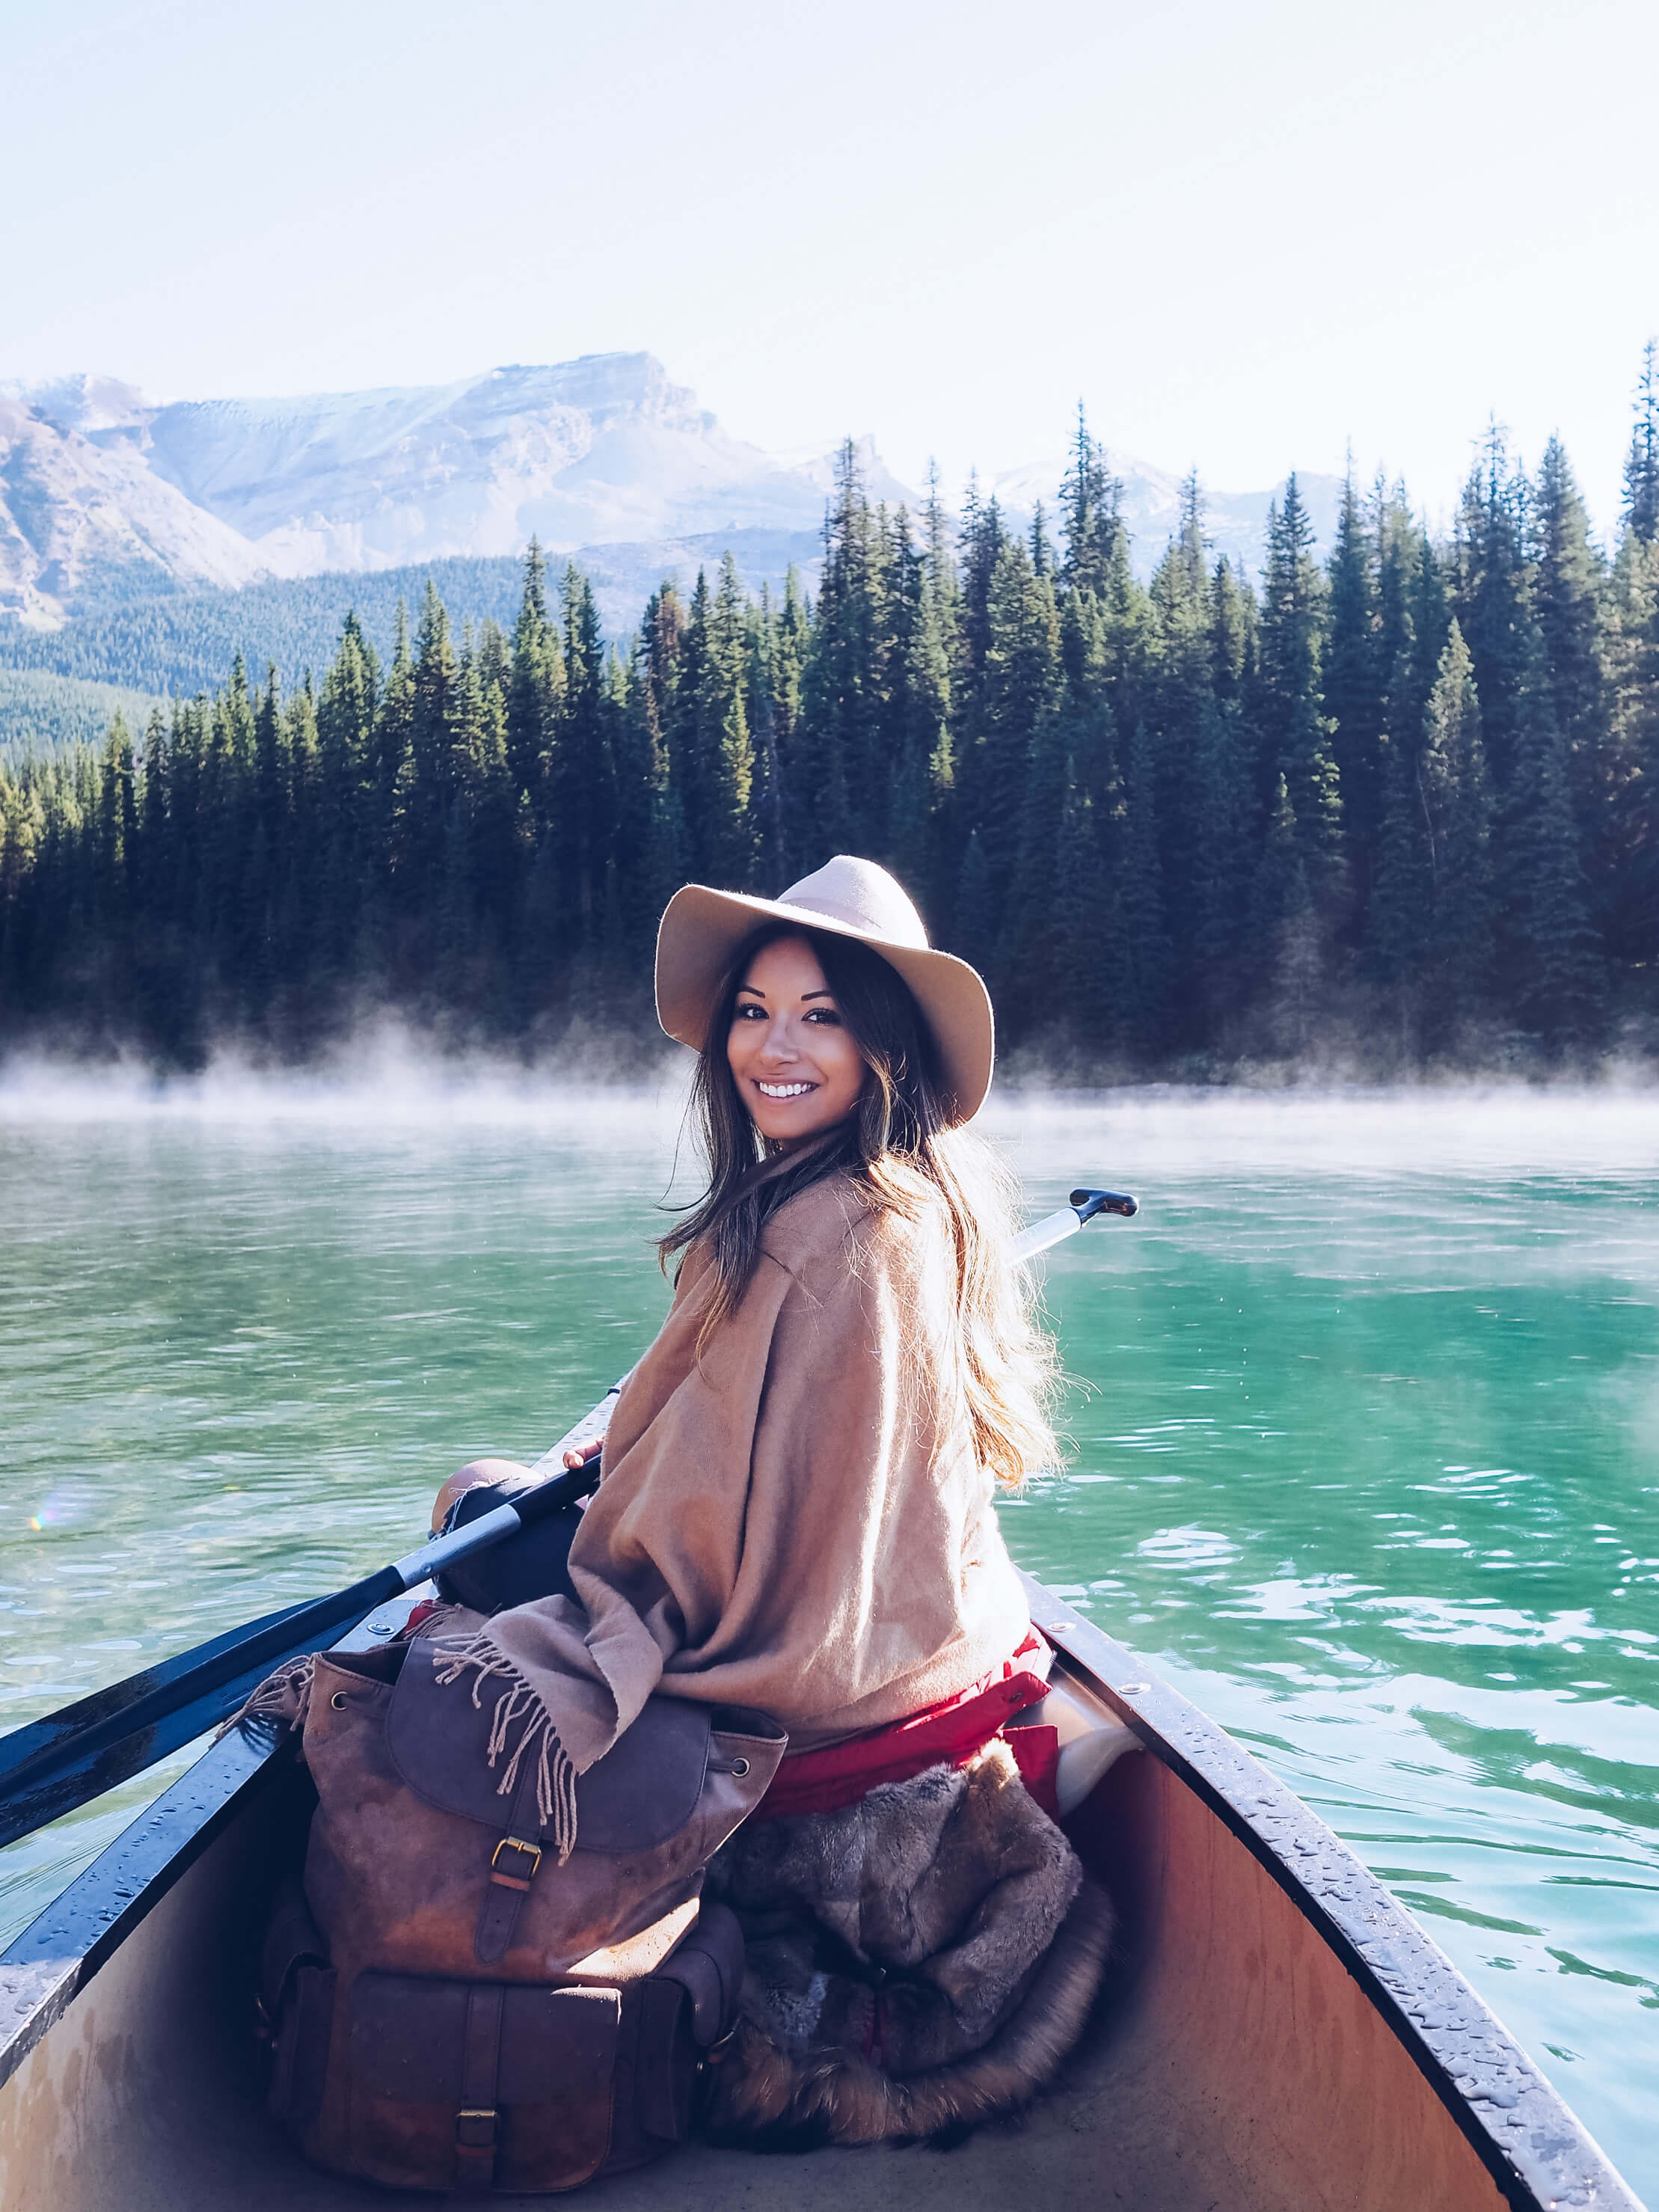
[792,1056]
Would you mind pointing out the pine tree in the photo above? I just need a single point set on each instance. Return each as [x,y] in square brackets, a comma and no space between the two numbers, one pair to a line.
[765,803]
[1031,956]
[1145,962]
[488,798]
[1091,516]
[923,783]
[1355,678]
[1493,592]
[1086,927]
[155,862]
[790,648]
[1570,580]
[1626,883]
[1020,690]
[1222,841]
[1455,805]
[1553,964]
[1642,464]
[840,791]
[584,794]
[725,748]
[1402,910]
[118,838]
[1232,635]
[979,549]
[1179,695]
[973,925]
[300,885]
[1293,729]
[394,745]
[1279,879]
[536,691]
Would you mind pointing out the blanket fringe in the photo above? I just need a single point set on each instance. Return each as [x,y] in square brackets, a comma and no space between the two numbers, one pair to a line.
[555,1778]
[284,1696]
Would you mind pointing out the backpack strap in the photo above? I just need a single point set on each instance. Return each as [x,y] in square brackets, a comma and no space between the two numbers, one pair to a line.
[477,2123]
[514,1863]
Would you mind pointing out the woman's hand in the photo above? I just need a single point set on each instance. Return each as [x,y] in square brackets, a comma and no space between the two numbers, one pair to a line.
[579,1455]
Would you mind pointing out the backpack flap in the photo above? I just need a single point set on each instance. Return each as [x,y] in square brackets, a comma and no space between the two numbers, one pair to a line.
[642,1792]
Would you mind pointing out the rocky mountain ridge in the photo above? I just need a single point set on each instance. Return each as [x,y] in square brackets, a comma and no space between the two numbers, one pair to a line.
[108,495]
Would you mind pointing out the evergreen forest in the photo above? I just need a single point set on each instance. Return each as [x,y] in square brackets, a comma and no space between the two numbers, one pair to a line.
[1397,809]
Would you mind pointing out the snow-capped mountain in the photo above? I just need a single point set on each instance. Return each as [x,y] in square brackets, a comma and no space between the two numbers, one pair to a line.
[105,493]
[600,451]
[81,515]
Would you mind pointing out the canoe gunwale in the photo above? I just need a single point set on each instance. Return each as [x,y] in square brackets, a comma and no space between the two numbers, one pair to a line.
[50,1962]
[1538,2152]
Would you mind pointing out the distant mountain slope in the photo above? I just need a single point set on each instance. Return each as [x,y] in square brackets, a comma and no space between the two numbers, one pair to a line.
[40,712]
[185,642]
[81,520]
[106,494]
[598,451]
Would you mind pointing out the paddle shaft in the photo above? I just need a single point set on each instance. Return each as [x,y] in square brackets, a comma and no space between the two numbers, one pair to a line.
[55,1763]
[50,1766]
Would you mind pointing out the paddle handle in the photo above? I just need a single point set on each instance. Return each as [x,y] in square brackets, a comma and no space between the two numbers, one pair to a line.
[1054,1228]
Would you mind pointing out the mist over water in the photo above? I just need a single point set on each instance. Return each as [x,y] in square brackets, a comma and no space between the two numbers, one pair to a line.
[1366,1436]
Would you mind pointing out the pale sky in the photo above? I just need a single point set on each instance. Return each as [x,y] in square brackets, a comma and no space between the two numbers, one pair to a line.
[1244,235]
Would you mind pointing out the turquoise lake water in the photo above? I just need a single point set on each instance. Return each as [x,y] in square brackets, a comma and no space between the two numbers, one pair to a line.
[1365,1440]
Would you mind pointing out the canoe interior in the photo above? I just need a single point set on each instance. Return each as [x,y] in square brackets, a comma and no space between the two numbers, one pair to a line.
[1237,2061]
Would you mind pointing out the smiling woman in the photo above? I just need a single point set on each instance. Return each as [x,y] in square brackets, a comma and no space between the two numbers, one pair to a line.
[796,1518]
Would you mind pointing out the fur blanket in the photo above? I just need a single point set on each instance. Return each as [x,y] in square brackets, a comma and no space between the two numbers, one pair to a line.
[923,1959]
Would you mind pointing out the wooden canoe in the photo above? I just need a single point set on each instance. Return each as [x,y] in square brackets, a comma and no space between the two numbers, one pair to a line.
[1277,2034]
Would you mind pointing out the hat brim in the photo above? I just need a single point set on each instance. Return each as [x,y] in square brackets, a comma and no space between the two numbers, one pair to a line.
[701,928]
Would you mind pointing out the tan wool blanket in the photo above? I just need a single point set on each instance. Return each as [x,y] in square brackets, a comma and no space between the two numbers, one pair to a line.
[798,1522]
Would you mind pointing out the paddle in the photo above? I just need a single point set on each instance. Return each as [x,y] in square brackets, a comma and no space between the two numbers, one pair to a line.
[75,1754]
[68,1757]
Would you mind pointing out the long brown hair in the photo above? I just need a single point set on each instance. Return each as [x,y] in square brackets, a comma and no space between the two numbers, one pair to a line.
[897,1151]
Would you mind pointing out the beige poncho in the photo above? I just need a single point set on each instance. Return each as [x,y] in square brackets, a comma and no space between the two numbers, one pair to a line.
[799,1522]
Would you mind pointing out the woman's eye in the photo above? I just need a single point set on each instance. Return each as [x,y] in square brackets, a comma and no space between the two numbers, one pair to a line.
[825,1014]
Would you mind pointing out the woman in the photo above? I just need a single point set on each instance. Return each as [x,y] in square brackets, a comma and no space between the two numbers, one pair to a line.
[796,1514]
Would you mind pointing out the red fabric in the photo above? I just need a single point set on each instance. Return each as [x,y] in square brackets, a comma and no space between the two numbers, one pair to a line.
[1037,1753]
[949,1732]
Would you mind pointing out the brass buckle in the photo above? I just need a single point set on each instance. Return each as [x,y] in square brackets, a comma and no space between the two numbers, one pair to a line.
[487,2144]
[532,1851]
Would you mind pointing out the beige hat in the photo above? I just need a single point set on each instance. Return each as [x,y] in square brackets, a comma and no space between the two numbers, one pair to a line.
[701,929]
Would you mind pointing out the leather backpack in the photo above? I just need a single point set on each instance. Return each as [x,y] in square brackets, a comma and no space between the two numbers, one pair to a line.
[450,2006]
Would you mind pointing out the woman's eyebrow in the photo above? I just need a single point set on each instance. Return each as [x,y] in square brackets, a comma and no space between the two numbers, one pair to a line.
[753,988]
[817,994]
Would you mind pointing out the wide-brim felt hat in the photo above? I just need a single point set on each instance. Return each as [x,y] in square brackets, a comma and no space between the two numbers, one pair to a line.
[701,929]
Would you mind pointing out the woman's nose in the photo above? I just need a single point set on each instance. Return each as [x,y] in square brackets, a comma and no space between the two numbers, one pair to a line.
[778,1045]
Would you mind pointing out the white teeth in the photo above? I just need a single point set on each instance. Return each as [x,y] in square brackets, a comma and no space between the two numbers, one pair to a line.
[786,1090]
